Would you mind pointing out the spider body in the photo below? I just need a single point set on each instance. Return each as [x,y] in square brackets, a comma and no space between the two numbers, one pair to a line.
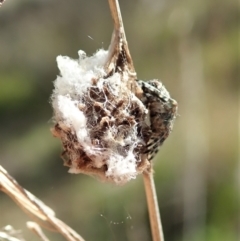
[162,112]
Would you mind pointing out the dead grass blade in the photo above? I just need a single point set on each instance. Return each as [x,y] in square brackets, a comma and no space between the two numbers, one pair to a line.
[34,207]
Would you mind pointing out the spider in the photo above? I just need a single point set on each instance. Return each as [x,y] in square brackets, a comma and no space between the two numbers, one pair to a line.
[162,112]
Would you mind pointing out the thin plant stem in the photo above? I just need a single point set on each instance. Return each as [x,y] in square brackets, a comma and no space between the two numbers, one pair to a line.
[118,43]
[153,210]
[117,17]
[119,47]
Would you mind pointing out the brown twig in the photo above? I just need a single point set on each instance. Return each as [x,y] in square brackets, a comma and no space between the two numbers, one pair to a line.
[34,207]
[119,57]
[119,42]
[153,210]
[119,53]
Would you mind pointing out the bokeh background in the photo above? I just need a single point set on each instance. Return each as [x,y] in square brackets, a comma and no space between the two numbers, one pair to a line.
[192,46]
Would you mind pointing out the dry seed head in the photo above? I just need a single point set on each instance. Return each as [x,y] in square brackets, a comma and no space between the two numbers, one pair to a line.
[100,122]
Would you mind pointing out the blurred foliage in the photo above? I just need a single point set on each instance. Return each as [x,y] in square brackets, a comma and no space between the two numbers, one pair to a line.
[197,185]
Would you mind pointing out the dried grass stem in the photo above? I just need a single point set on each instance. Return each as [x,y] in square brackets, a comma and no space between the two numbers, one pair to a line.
[153,210]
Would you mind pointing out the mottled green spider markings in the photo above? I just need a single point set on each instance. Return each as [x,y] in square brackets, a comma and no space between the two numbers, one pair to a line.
[162,112]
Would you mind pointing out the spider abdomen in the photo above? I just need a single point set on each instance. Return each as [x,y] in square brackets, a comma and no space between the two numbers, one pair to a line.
[162,112]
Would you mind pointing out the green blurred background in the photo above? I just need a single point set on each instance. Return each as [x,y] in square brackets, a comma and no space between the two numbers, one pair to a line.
[192,46]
